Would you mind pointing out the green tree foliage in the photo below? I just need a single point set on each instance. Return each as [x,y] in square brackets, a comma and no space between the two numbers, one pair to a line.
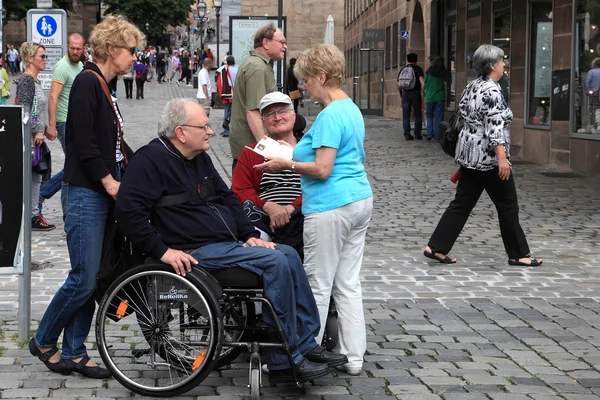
[152,16]
[17,9]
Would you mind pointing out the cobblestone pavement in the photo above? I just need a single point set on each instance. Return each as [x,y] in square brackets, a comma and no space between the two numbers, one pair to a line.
[475,330]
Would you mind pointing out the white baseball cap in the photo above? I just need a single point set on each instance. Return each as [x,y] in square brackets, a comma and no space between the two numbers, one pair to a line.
[274,98]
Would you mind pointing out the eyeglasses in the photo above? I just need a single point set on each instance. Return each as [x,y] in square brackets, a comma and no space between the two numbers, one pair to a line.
[44,56]
[203,127]
[283,42]
[131,49]
[282,113]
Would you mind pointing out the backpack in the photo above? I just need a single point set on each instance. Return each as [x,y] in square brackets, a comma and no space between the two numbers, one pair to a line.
[143,74]
[407,78]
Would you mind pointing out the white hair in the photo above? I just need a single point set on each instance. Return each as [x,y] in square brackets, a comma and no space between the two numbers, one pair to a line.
[486,56]
[173,115]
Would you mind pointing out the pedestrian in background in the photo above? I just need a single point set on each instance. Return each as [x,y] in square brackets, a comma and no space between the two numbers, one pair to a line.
[93,167]
[4,83]
[205,86]
[226,75]
[128,78]
[411,86]
[141,75]
[63,76]
[483,153]
[337,200]
[185,68]
[292,84]
[436,77]
[12,55]
[175,63]
[31,96]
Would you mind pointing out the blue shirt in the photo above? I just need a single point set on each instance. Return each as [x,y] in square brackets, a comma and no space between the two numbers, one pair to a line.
[340,126]
[592,80]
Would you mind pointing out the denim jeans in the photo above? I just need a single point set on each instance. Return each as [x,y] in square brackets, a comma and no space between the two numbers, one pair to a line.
[226,116]
[52,187]
[285,286]
[437,108]
[13,67]
[72,308]
[412,100]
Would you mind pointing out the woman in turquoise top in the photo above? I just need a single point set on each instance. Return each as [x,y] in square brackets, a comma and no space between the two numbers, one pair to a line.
[435,94]
[337,200]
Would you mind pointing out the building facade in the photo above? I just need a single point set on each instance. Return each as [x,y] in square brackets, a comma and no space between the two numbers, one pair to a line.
[552,77]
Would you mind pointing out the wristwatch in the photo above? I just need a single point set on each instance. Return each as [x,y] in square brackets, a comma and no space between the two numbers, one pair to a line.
[293,166]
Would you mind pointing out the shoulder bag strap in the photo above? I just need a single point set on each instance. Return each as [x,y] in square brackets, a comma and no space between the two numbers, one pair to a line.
[112,107]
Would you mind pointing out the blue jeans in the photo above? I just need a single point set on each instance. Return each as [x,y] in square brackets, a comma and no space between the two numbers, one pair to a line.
[412,100]
[12,65]
[285,286]
[52,187]
[72,308]
[437,108]
[227,112]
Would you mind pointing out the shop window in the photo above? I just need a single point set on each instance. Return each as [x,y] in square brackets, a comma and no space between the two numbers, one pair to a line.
[450,65]
[388,47]
[540,63]
[502,17]
[395,34]
[450,52]
[586,115]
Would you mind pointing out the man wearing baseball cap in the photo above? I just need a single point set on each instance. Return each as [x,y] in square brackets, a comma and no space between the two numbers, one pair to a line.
[272,201]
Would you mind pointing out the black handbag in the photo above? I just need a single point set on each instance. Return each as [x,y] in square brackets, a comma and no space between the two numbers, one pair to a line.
[449,131]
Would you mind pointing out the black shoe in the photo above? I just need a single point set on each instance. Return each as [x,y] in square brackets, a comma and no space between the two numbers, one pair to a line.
[45,357]
[305,371]
[419,137]
[70,366]
[320,355]
[39,224]
[409,137]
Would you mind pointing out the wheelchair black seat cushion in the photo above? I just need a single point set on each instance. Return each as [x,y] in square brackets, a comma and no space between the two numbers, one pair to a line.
[237,278]
[230,278]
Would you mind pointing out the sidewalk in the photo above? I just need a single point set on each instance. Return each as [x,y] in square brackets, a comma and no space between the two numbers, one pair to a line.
[478,329]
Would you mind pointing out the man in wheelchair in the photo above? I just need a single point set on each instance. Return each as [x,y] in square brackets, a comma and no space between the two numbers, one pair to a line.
[198,222]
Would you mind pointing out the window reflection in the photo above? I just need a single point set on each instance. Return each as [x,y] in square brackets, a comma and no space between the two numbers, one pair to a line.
[540,63]
[502,26]
[586,116]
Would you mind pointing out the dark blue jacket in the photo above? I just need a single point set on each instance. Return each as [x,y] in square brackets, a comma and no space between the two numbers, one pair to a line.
[158,169]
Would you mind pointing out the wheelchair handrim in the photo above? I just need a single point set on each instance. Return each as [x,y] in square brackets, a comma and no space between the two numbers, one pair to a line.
[108,359]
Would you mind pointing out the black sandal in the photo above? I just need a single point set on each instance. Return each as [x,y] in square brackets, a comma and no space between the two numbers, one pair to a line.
[444,260]
[45,357]
[97,372]
[534,262]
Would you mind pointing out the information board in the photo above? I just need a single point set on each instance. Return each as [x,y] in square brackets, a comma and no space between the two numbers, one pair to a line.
[11,176]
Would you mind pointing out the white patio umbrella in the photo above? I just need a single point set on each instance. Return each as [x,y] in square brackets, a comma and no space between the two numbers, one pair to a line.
[586,32]
[329,31]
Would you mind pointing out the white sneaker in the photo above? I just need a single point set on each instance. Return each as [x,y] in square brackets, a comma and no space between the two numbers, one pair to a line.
[350,369]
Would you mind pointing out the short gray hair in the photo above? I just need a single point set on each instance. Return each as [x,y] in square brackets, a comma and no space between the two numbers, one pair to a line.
[486,56]
[174,114]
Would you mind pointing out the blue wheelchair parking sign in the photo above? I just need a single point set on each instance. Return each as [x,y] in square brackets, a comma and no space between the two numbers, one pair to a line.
[46,26]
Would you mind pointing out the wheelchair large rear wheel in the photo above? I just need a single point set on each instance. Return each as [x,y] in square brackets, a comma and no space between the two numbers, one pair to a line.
[158,332]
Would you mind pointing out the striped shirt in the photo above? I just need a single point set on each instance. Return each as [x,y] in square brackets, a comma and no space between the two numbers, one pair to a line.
[281,187]
[119,155]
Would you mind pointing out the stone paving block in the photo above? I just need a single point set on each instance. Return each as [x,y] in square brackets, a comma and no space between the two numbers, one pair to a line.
[465,396]
[505,396]
[420,397]
[24,393]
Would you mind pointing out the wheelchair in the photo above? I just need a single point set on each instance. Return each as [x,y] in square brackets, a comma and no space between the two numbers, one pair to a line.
[161,334]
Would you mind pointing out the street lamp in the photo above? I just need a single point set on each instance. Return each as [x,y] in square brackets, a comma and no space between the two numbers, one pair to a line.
[201,13]
[218,4]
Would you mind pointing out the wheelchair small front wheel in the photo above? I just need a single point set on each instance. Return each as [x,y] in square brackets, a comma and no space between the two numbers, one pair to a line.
[158,332]
[255,383]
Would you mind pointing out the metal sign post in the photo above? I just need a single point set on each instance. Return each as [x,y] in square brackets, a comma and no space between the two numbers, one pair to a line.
[15,207]
[48,27]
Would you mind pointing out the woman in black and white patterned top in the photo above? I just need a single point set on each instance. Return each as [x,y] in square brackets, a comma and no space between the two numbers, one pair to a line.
[483,153]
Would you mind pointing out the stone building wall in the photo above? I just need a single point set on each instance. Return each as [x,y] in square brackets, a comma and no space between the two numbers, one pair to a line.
[306,20]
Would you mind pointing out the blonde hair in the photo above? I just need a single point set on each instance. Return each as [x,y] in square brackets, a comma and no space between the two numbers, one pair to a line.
[325,58]
[114,31]
[28,50]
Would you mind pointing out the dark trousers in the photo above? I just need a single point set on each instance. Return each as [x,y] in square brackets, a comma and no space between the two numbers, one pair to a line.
[468,191]
[186,74]
[139,85]
[411,100]
[128,88]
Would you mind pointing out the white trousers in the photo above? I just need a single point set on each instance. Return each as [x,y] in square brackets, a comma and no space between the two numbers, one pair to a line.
[334,243]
